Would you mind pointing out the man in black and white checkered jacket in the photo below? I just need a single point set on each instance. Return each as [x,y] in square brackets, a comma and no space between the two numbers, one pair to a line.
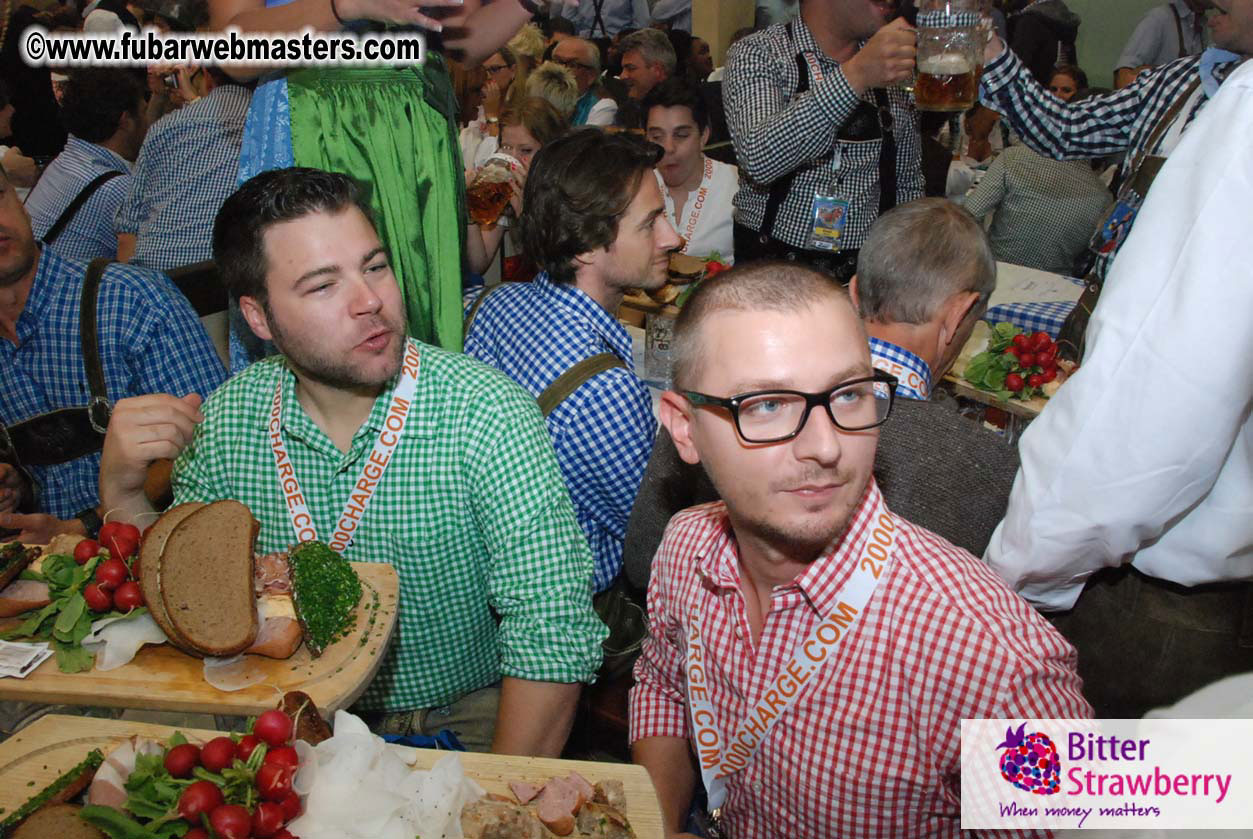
[813,107]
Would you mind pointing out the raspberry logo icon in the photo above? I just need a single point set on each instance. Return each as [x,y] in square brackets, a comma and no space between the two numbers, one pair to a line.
[1030,761]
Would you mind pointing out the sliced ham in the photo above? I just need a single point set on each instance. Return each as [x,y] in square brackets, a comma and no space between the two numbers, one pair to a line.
[524,792]
[108,788]
[557,805]
[582,785]
[271,575]
[22,596]
[277,637]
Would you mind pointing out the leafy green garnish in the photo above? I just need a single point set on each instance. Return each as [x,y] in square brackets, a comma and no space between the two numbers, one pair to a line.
[66,620]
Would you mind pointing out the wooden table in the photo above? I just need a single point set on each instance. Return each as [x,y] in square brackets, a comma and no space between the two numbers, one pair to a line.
[39,753]
[162,678]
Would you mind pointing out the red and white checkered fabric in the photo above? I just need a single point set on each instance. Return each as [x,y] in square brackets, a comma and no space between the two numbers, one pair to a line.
[871,748]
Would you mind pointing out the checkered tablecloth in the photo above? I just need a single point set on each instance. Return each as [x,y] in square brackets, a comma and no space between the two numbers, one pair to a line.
[1034,317]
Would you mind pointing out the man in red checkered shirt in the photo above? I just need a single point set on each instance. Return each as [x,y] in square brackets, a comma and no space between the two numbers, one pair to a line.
[812,655]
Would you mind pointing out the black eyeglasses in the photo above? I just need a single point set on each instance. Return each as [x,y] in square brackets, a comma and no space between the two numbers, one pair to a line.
[491,71]
[571,64]
[772,416]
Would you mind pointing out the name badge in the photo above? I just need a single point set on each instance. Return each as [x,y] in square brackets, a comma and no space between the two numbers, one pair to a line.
[829,217]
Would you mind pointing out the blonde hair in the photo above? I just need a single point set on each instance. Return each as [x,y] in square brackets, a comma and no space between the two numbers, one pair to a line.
[538,116]
[554,83]
[529,42]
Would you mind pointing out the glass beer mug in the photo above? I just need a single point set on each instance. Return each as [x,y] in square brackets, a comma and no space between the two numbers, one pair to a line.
[488,194]
[950,52]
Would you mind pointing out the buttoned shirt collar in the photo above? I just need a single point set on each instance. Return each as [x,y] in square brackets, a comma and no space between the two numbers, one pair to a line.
[107,159]
[579,305]
[718,561]
[912,373]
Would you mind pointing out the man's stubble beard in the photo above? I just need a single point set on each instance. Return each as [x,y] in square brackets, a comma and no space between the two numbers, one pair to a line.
[328,372]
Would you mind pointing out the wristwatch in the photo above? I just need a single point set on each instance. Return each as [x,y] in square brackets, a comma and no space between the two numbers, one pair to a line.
[92,521]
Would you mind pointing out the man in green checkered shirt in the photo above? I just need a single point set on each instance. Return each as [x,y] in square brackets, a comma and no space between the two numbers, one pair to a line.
[496,628]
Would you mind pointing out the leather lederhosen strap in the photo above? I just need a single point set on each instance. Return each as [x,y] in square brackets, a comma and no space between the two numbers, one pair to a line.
[1140,176]
[69,433]
[766,244]
[67,215]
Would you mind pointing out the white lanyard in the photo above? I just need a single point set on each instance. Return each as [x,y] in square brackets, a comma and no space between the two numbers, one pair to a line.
[718,760]
[371,472]
[698,204]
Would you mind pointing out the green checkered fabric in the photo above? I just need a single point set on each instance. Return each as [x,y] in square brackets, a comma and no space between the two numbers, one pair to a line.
[495,574]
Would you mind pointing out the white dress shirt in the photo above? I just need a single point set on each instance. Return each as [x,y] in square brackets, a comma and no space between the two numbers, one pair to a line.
[707,226]
[1146,454]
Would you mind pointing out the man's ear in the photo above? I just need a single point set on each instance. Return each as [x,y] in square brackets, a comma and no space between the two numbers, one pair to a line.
[677,418]
[704,136]
[854,295]
[955,310]
[254,313]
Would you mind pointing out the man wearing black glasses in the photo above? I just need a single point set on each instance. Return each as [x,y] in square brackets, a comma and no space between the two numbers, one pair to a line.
[582,59]
[801,598]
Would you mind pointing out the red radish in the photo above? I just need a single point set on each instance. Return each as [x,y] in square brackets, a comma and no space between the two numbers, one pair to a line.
[230,821]
[121,547]
[274,727]
[182,759]
[283,756]
[200,797]
[98,600]
[196,833]
[217,754]
[128,596]
[274,781]
[267,820]
[291,807]
[111,573]
[243,749]
[85,550]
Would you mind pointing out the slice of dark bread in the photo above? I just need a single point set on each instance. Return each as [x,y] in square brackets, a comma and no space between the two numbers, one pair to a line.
[325,590]
[57,821]
[206,576]
[150,566]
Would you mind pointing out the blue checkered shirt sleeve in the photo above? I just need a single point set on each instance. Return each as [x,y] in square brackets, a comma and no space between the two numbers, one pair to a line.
[605,435]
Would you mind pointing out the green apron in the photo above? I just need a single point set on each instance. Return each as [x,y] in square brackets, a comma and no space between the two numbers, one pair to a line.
[395,126]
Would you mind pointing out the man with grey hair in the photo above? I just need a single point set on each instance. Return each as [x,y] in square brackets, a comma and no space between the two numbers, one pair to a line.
[923,280]
[555,85]
[776,398]
[582,59]
[648,59]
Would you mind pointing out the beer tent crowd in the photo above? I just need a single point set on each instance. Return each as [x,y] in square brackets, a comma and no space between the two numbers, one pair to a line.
[799,547]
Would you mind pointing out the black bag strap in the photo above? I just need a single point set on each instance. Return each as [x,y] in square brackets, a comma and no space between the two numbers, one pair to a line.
[598,19]
[779,189]
[887,152]
[98,408]
[67,215]
[1178,29]
[570,381]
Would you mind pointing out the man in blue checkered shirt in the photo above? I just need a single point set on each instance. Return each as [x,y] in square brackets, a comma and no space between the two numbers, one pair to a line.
[923,281]
[1145,118]
[595,222]
[149,340]
[103,110]
[187,167]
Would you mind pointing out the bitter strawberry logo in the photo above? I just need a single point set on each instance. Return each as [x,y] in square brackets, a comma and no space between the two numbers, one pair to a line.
[1030,761]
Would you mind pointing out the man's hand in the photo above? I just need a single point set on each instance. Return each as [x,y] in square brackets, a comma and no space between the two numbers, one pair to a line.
[39,528]
[22,170]
[12,488]
[993,50]
[143,429]
[887,58]
[394,11]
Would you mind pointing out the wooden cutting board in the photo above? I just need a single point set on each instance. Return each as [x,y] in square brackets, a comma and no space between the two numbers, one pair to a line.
[39,753]
[162,678]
